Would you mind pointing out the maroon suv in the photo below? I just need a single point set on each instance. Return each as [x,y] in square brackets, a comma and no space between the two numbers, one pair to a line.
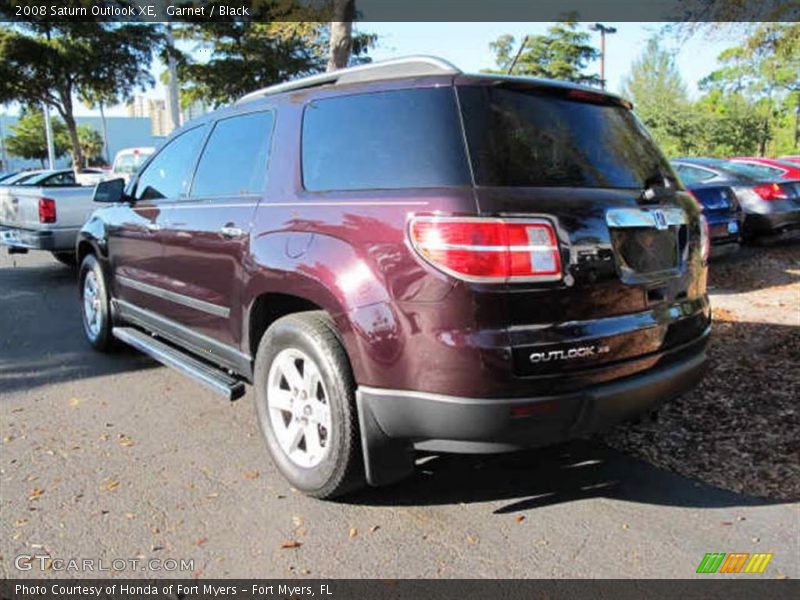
[400,256]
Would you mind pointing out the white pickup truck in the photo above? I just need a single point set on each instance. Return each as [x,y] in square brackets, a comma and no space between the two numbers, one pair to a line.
[45,213]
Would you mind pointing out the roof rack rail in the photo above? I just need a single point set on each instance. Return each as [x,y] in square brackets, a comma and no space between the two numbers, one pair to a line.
[411,66]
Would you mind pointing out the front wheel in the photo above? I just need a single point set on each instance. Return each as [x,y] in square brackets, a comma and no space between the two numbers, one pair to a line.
[305,402]
[95,304]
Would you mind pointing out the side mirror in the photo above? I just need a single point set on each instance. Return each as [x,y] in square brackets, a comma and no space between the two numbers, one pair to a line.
[110,191]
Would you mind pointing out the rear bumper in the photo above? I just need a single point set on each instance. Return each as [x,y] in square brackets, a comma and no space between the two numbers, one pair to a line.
[448,423]
[774,223]
[56,240]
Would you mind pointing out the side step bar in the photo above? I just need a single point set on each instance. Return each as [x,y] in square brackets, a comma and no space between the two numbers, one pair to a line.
[215,379]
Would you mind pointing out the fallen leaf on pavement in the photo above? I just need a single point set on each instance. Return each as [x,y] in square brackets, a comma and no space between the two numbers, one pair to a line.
[110,485]
[353,532]
[252,475]
[201,541]
[124,440]
[288,544]
[297,521]
[519,518]
[20,522]
[8,439]
[374,528]
[35,493]
[73,402]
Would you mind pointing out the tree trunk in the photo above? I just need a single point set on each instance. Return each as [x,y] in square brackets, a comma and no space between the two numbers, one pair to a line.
[77,151]
[65,109]
[105,135]
[341,42]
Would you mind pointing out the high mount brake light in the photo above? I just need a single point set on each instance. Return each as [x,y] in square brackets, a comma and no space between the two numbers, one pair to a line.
[47,210]
[488,250]
[770,191]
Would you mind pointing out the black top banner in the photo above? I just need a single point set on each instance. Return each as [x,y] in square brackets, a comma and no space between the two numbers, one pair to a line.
[401,10]
[393,589]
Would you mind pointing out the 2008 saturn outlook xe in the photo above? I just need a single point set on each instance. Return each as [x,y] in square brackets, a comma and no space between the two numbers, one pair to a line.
[403,257]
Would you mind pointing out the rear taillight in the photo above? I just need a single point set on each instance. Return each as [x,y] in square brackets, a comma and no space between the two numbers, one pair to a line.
[770,191]
[47,210]
[705,238]
[492,250]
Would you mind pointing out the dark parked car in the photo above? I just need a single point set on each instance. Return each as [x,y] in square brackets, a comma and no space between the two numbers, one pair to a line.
[400,256]
[771,204]
[723,213]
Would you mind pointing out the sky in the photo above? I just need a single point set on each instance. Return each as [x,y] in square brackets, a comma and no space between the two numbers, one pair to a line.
[467,46]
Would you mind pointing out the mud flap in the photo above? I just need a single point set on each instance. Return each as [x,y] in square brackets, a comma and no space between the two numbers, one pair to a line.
[386,460]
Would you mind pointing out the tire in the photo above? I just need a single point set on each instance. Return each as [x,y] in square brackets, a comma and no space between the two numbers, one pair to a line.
[304,349]
[66,258]
[92,279]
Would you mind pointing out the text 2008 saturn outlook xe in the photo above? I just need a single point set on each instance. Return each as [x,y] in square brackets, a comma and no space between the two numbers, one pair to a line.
[403,257]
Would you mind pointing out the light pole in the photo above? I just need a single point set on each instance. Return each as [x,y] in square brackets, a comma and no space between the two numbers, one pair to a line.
[603,29]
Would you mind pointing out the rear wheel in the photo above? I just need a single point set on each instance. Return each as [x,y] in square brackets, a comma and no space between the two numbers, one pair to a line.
[95,304]
[305,402]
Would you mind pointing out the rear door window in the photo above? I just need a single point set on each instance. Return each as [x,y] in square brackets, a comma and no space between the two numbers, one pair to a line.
[168,174]
[535,138]
[385,140]
[234,161]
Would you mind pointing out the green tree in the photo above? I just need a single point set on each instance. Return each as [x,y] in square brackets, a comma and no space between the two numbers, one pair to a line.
[243,56]
[661,100]
[53,63]
[91,144]
[563,53]
[28,139]
[764,74]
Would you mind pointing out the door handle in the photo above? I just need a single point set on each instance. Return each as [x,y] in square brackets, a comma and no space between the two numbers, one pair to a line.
[231,232]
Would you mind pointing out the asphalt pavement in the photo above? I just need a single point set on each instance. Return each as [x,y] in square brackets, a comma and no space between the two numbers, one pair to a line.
[113,457]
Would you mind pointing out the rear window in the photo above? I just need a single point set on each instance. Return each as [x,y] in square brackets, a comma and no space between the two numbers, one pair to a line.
[384,140]
[128,164]
[529,138]
[753,171]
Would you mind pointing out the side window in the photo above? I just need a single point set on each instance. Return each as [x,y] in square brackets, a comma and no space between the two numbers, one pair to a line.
[60,179]
[169,173]
[693,175]
[384,140]
[234,161]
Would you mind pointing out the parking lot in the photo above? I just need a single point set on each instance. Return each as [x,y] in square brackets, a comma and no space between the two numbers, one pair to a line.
[115,457]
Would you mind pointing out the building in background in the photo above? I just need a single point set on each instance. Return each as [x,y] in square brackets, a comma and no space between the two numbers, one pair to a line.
[153,109]
[156,110]
[123,132]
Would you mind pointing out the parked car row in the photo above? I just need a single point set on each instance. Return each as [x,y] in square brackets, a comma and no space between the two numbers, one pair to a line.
[743,198]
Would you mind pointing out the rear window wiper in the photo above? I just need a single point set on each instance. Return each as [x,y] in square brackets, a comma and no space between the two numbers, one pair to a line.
[657,186]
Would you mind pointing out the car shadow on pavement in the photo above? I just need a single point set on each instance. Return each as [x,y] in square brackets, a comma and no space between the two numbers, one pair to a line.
[578,470]
[41,335]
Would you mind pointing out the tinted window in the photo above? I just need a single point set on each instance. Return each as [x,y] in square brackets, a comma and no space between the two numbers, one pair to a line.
[396,139]
[234,161]
[693,174]
[169,173]
[531,138]
[57,179]
[753,170]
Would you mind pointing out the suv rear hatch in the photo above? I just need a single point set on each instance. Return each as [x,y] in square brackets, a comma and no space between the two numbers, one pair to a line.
[633,284]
